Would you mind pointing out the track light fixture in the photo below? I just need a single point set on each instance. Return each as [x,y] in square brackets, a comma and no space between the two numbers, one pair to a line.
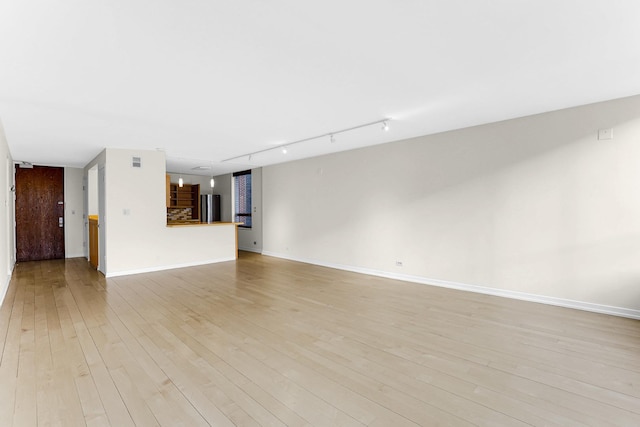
[331,135]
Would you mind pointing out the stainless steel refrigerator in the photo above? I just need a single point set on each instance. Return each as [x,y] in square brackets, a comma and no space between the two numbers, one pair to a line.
[210,208]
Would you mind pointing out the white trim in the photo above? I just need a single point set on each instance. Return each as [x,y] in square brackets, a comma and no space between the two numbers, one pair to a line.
[5,288]
[562,302]
[168,267]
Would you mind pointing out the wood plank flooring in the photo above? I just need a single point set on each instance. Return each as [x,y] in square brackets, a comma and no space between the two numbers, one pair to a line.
[270,342]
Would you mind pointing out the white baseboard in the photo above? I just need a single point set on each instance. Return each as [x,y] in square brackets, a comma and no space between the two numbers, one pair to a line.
[562,302]
[5,287]
[167,267]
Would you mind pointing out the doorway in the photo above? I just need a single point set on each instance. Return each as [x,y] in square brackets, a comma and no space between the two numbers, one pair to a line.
[95,211]
[91,229]
[39,213]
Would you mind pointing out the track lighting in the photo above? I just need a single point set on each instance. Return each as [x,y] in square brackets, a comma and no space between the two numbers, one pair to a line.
[331,135]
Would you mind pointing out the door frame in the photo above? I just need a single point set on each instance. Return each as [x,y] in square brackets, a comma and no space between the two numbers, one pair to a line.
[11,215]
[102,220]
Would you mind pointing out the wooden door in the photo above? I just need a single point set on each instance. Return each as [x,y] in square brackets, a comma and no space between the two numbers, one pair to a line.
[39,213]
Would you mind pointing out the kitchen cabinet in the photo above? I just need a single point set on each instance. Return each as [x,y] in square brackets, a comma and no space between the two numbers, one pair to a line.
[187,196]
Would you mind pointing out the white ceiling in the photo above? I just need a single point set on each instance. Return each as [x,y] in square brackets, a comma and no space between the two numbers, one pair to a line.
[208,80]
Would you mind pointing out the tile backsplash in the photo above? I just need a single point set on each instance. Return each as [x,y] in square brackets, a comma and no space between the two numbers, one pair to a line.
[178,214]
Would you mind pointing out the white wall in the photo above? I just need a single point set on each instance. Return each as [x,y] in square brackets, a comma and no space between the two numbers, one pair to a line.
[73,213]
[137,238]
[7,235]
[535,205]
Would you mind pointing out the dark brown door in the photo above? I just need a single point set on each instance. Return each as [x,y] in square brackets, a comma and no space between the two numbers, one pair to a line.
[39,213]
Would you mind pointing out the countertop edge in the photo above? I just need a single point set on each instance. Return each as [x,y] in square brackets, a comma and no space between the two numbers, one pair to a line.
[203,224]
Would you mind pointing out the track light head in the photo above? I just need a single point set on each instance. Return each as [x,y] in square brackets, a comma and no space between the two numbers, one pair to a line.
[284,150]
[333,138]
[385,126]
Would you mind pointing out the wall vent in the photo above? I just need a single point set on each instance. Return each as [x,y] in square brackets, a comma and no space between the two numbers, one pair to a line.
[136,162]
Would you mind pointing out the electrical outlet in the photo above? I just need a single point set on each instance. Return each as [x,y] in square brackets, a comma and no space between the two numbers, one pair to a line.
[398,263]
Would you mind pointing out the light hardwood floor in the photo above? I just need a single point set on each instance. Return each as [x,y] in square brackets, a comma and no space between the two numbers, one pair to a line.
[264,341]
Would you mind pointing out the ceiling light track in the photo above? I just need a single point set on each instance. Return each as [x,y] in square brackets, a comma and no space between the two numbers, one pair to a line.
[331,135]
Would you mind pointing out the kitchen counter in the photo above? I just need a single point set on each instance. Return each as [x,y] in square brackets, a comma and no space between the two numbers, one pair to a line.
[198,224]
[190,232]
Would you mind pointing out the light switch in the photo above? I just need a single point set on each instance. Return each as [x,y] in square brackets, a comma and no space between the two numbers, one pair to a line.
[605,134]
